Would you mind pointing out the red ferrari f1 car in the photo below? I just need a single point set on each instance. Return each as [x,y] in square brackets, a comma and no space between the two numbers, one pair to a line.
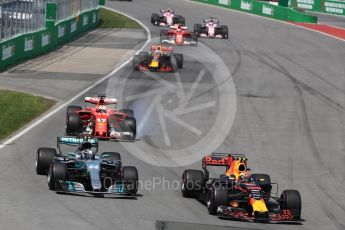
[179,35]
[101,122]
[159,59]
[239,195]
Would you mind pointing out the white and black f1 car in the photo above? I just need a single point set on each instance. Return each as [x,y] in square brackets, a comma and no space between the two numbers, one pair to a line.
[210,28]
[84,171]
[167,17]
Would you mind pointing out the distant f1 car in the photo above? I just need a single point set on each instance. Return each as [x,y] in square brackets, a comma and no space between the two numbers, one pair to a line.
[167,17]
[179,35]
[239,195]
[159,59]
[101,122]
[210,28]
[84,171]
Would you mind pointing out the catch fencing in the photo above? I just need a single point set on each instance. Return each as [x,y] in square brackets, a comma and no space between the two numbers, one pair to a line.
[24,16]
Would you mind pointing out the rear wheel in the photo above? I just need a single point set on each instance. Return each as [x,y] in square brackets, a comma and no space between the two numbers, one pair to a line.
[129,124]
[145,56]
[155,19]
[197,29]
[137,60]
[225,32]
[218,196]
[291,200]
[44,158]
[178,19]
[73,109]
[73,124]
[128,112]
[194,38]
[193,181]
[57,172]
[130,178]
[179,60]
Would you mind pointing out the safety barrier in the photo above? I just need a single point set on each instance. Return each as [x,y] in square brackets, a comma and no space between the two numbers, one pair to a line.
[324,6]
[263,9]
[29,45]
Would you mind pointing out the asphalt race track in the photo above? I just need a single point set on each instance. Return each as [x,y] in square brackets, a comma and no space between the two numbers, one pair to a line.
[272,91]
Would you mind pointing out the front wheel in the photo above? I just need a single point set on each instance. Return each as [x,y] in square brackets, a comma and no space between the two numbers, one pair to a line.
[291,200]
[218,196]
[179,60]
[130,178]
[44,158]
[57,172]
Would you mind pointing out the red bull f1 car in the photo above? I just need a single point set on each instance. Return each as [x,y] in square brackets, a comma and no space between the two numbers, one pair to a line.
[239,195]
[84,170]
[159,59]
[210,28]
[100,120]
[167,17]
[179,35]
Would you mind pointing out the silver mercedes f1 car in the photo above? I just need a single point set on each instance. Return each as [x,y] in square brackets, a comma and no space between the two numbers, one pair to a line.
[85,171]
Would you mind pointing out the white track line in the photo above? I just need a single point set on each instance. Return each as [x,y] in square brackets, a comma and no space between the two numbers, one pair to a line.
[51,113]
[267,18]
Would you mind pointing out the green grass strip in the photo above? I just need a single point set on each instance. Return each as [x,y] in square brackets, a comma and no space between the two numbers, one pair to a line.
[17,109]
[110,19]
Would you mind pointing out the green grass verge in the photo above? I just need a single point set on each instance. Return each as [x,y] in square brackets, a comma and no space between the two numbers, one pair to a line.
[17,109]
[110,19]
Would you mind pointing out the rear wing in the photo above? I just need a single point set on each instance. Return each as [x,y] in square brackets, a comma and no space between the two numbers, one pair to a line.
[100,100]
[165,49]
[76,141]
[221,159]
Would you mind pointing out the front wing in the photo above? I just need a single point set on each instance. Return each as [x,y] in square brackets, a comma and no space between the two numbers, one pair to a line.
[281,216]
[171,40]
[75,187]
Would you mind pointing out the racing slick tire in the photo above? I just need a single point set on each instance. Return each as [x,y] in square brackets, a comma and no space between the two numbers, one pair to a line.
[111,156]
[291,200]
[73,108]
[178,19]
[130,177]
[128,112]
[155,18]
[264,182]
[145,56]
[218,196]
[44,158]
[193,181]
[137,60]
[197,29]
[194,38]
[129,124]
[57,171]
[225,32]
[74,124]
[179,60]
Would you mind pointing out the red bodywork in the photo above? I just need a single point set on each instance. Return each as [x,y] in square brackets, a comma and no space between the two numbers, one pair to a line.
[98,119]
[177,35]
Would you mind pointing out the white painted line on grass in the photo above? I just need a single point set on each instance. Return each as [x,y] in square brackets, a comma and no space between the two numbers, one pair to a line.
[51,113]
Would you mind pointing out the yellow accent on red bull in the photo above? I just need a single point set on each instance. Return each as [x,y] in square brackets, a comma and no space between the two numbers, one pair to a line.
[258,205]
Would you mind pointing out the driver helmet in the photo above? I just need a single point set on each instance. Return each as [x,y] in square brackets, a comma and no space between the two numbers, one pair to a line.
[158,51]
[102,108]
[244,177]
